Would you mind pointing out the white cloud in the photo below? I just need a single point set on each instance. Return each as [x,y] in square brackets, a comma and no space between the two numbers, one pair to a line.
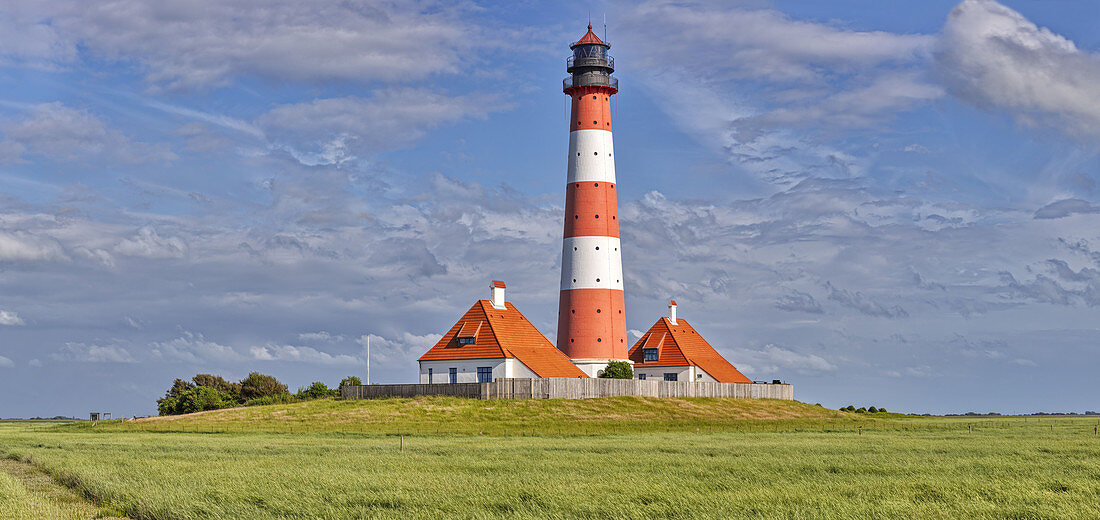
[210,42]
[993,57]
[148,244]
[330,131]
[194,348]
[23,246]
[58,132]
[36,363]
[300,354]
[324,336]
[10,318]
[773,360]
[6,362]
[765,86]
[85,353]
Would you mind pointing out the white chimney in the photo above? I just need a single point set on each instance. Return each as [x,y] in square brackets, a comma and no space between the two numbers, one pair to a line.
[496,288]
[672,311]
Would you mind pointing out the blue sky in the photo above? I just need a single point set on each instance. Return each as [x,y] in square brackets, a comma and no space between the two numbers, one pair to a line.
[884,203]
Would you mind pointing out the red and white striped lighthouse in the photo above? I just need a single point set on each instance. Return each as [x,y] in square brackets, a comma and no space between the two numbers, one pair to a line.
[591,309]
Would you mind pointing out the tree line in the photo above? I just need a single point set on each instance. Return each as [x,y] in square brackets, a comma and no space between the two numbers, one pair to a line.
[210,392]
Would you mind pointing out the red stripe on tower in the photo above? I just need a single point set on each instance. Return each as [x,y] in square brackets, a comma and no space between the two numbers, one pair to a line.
[591,310]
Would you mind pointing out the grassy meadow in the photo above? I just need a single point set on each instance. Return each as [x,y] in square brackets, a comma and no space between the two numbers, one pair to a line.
[813,466]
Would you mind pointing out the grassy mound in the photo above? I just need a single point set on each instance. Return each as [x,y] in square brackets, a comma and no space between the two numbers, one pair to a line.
[450,415]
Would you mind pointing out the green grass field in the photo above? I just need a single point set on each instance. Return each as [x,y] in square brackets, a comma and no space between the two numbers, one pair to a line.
[897,468]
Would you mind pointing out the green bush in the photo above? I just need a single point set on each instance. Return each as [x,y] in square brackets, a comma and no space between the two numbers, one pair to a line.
[872,410]
[168,404]
[316,390]
[861,410]
[618,370]
[351,381]
[218,383]
[258,385]
[881,410]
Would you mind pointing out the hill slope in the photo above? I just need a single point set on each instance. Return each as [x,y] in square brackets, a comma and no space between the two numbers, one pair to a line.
[431,415]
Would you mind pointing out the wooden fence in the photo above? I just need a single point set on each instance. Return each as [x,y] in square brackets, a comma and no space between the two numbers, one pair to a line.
[580,388]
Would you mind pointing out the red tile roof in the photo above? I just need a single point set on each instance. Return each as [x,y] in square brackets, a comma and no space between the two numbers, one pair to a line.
[681,345]
[503,333]
[589,37]
[498,283]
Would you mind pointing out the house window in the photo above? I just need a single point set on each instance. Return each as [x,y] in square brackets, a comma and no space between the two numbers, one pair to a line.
[484,374]
[650,354]
[641,377]
[670,376]
[467,340]
[429,375]
[454,374]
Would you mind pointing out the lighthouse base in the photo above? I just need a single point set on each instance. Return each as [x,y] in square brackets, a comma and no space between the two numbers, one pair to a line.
[594,367]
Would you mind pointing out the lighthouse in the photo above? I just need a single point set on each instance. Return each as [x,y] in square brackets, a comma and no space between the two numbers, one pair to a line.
[591,307]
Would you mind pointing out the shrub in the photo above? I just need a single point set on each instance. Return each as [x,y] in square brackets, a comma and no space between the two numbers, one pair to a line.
[881,410]
[618,370]
[258,385]
[351,381]
[861,410]
[203,398]
[218,383]
[872,410]
[168,404]
[848,408]
[316,390]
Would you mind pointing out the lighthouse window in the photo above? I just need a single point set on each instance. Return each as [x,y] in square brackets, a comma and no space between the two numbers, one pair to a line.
[574,249]
[599,340]
[595,153]
[595,122]
[593,97]
[597,311]
[597,280]
[597,216]
[597,248]
[578,154]
[574,280]
[597,185]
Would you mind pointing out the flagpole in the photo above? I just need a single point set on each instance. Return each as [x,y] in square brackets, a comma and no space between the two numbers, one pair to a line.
[368,358]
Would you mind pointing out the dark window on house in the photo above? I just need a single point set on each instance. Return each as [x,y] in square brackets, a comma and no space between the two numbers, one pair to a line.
[466,340]
[670,376]
[484,374]
[641,377]
[429,375]
[650,354]
[454,374]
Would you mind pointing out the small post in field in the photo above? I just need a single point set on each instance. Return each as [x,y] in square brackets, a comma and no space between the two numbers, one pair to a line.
[969,429]
[861,430]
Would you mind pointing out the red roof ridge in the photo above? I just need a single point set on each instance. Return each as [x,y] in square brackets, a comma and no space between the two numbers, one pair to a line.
[498,283]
